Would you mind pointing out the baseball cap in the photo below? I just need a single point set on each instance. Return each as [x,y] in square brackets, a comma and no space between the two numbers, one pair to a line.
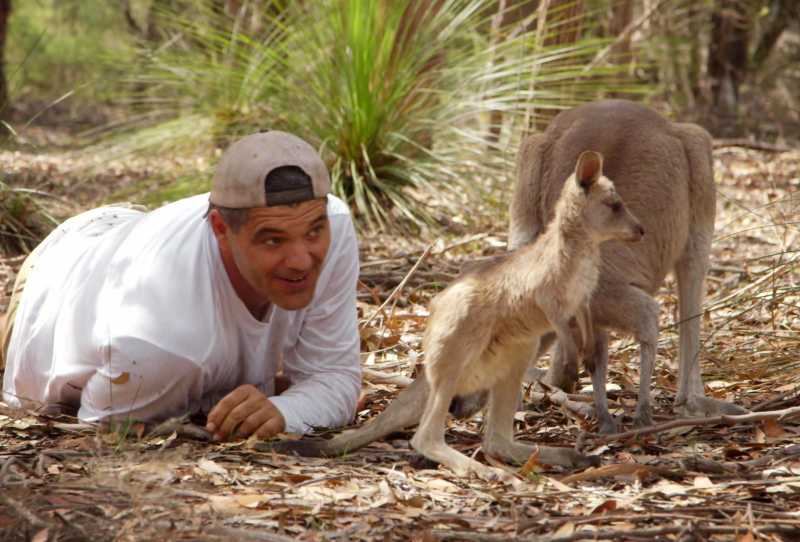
[242,179]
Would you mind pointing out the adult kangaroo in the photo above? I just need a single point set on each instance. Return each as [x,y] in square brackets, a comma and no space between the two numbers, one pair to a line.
[663,172]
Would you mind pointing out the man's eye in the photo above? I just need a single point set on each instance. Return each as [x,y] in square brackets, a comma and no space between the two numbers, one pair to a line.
[272,241]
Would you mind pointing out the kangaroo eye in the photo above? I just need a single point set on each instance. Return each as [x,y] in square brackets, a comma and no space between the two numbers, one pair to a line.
[616,207]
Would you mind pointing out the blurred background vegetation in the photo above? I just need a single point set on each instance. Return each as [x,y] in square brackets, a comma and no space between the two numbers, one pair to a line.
[418,106]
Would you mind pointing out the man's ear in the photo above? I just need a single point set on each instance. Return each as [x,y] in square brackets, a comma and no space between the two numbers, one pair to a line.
[218,225]
[588,169]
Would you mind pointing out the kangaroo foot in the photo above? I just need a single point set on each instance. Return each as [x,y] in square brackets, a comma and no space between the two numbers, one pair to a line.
[518,452]
[698,406]
[642,417]
[608,426]
[565,380]
[512,451]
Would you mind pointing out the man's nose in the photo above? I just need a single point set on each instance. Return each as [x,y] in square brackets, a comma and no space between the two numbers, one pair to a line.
[299,257]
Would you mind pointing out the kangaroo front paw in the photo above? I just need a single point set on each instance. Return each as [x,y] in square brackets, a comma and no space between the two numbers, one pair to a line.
[699,406]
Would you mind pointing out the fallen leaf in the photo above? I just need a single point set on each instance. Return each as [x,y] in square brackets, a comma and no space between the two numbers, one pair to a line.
[667,488]
[605,506]
[747,537]
[532,465]
[772,428]
[252,501]
[41,536]
[443,485]
[560,485]
[211,468]
[565,530]
[703,482]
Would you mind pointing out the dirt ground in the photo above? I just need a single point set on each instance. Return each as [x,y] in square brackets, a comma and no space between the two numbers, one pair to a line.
[64,481]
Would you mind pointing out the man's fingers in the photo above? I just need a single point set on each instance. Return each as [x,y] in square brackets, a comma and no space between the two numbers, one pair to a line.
[221,410]
[238,415]
[271,427]
[254,421]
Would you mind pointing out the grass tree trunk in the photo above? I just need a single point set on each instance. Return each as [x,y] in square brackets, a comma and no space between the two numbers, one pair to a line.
[621,17]
[727,64]
[565,18]
[5,105]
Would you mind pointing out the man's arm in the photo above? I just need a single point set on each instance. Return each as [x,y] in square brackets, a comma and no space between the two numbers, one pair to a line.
[324,366]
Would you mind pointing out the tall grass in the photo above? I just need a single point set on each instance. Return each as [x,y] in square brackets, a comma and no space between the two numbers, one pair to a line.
[396,95]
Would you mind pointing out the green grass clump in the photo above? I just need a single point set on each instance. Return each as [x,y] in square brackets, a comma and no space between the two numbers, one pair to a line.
[396,95]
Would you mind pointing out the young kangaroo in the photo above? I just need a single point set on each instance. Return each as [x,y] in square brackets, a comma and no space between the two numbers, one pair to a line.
[483,326]
[663,171]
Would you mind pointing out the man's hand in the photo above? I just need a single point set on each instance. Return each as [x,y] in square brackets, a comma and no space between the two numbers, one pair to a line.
[245,411]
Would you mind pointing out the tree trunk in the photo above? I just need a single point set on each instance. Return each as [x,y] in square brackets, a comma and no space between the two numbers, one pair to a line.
[781,14]
[5,104]
[621,17]
[727,64]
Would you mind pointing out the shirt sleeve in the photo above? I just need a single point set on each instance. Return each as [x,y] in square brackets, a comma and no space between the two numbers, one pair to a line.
[324,364]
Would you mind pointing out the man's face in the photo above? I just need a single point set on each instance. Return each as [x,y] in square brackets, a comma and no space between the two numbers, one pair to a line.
[276,256]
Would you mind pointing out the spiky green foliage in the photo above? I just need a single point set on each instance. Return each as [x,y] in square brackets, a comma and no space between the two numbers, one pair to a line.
[24,221]
[396,95]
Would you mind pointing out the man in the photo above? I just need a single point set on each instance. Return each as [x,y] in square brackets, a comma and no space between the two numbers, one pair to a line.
[196,305]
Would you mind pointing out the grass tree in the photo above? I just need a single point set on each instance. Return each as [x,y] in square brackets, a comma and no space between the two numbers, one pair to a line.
[396,95]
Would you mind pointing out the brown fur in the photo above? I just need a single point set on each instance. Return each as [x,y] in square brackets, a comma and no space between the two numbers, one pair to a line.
[483,326]
[663,171]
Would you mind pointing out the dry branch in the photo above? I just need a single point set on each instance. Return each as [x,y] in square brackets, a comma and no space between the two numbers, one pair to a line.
[399,287]
[25,514]
[750,144]
[380,377]
[784,414]
[622,534]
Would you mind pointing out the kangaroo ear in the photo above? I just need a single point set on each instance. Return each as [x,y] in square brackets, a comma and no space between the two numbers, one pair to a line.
[589,169]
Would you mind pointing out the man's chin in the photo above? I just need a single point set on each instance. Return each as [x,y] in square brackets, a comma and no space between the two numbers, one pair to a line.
[294,301]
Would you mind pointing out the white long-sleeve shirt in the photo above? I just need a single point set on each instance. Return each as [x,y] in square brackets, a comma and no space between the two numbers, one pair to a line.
[133,314]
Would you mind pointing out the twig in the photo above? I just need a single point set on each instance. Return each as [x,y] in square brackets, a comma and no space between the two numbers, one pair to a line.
[230,533]
[13,260]
[783,398]
[399,260]
[562,399]
[702,464]
[23,512]
[380,377]
[621,469]
[692,422]
[182,426]
[625,34]
[649,534]
[611,534]
[750,144]
[399,287]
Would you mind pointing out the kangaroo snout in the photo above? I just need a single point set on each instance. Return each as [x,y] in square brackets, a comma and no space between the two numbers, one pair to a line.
[637,234]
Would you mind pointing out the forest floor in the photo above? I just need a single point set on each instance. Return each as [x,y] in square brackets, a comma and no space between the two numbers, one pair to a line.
[61,480]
